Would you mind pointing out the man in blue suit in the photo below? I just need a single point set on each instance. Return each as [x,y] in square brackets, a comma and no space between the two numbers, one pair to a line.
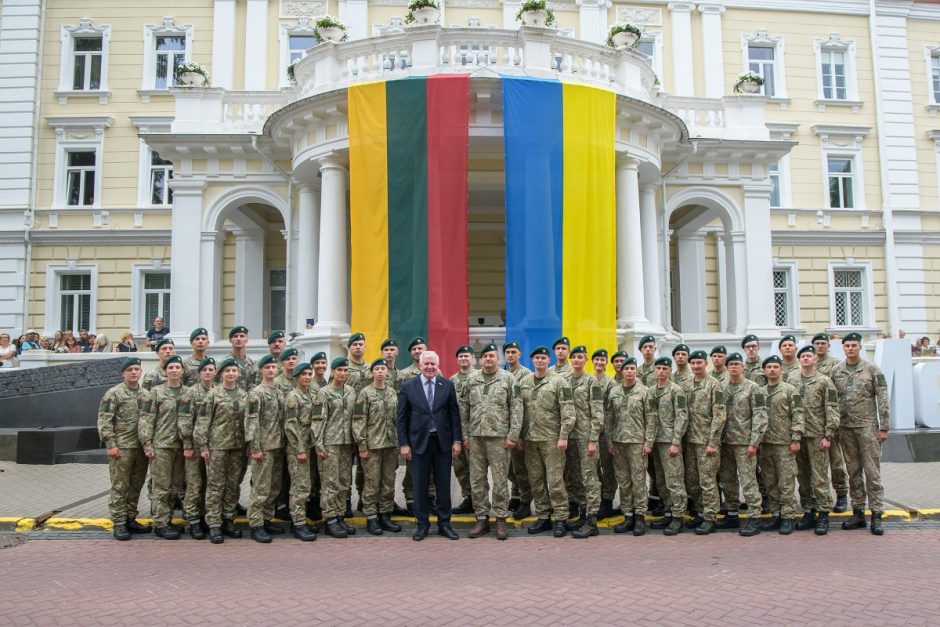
[429,436]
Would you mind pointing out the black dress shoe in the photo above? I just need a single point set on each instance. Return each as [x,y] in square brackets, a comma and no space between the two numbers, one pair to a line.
[196,532]
[448,532]
[421,532]
[304,533]
[167,532]
[271,528]
[121,533]
[540,525]
[135,527]
[215,535]
[559,531]
[386,524]
[373,527]
[229,529]
[258,534]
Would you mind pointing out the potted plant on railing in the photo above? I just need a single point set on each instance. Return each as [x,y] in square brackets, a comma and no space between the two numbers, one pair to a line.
[624,35]
[328,28]
[535,13]
[192,74]
[748,83]
[290,73]
[422,12]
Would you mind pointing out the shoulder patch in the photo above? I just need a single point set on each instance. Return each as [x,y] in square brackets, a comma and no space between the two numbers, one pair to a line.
[567,393]
[797,400]
[760,399]
[882,380]
[832,396]
[597,393]
[719,396]
[680,401]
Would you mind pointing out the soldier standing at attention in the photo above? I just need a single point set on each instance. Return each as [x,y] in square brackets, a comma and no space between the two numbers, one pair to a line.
[667,405]
[220,436]
[415,347]
[589,421]
[719,371]
[460,464]
[319,363]
[160,436]
[194,500]
[299,438]
[199,340]
[746,414]
[276,343]
[165,348]
[703,444]
[683,374]
[549,418]
[358,368]
[617,360]
[521,500]
[863,427]
[608,477]
[373,429]
[780,446]
[820,423]
[631,434]
[753,368]
[264,434]
[284,381]
[491,420]
[247,370]
[646,373]
[118,417]
[561,348]
[332,426]
[789,363]
[390,355]
[825,364]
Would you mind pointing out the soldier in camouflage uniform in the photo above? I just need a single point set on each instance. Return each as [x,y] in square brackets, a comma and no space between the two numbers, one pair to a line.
[668,406]
[165,348]
[548,418]
[332,424]
[491,421]
[284,382]
[589,421]
[719,371]
[264,434]
[746,422]
[789,364]
[220,436]
[160,436]
[319,364]
[825,364]
[298,436]
[820,423]
[520,501]
[248,376]
[864,421]
[702,447]
[199,340]
[194,499]
[390,355]
[753,364]
[373,430]
[683,374]
[415,347]
[646,373]
[561,348]
[617,360]
[631,435]
[277,342]
[358,380]
[461,464]
[607,475]
[780,446]
[118,417]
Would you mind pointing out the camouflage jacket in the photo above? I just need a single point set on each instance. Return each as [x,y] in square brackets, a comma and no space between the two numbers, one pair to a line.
[789,372]
[646,374]
[152,379]
[285,384]
[683,379]
[753,371]
[393,380]
[863,396]
[373,421]
[548,407]
[358,376]
[264,420]
[489,407]
[220,423]
[332,416]
[588,407]
[159,420]
[784,414]
[297,421]
[720,377]
[519,373]
[408,372]
[190,400]
[459,379]
[119,414]
[826,365]
[820,406]
[669,407]
[706,412]
[248,374]
[745,413]
[562,370]
[627,421]
[191,371]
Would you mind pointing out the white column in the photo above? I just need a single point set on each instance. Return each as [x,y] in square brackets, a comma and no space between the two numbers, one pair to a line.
[736,257]
[249,280]
[690,248]
[592,25]
[683,75]
[210,272]
[223,44]
[185,230]
[355,14]
[651,254]
[333,269]
[723,324]
[712,48]
[256,46]
[510,8]
[760,310]
[308,247]
[631,307]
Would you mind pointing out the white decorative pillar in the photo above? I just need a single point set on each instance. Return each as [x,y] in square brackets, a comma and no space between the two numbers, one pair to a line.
[738,288]
[249,279]
[210,272]
[510,8]
[592,25]
[185,229]
[631,307]
[651,255]
[690,248]
[355,15]
[333,269]
[256,46]
[308,248]
[223,44]
[760,311]
[683,75]
[712,48]
[723,324]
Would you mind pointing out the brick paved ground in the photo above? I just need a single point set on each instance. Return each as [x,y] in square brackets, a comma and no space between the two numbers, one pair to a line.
[847,577]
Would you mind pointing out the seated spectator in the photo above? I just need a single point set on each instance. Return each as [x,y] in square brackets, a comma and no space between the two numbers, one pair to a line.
[72,344]
[44,343]
[102,344]
[7,352]
[90,344]
[127,344]
[58,341]
[922,348]
[31,343]
[156,333]
[83,338]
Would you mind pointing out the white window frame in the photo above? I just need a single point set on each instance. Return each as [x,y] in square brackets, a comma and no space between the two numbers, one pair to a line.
[139,322]
[656,61]
[269,290]
[762,39]
[836,44]
[793,293]
[868,305]
[147,125]
[53,293]
[168,28]
[931,53]
[853,176]
[783,132]
[68,34]
[843,142]
[285,31]
[77,134]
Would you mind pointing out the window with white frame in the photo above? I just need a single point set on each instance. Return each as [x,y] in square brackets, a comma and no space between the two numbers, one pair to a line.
[278,300]
[299,43]
[74,301]
[84,61]
[295,40]
[157,296]
[933,73]
[80,178]
[79,149]
[760,60]
[86,66]
[650,45]
[848,298]
[835,64]
[843,170]
[166,46]
[833,75]
[774,174]
[781,297]
[161,173]
[841,177]
[764,55]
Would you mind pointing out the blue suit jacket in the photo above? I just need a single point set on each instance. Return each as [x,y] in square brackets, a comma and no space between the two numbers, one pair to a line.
[414,415]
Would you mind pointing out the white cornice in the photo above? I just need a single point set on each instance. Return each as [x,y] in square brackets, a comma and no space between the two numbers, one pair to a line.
[783,129]
[97,122]
[147,124]
[819,237]
[157,237]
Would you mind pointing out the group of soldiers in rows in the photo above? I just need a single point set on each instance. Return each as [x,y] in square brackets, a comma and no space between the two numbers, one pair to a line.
[565,437]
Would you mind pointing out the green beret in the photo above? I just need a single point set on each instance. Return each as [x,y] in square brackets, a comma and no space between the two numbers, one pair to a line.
[786,338]
[719,349]
[208,361]
[806,349]
[619,354]
[646,339]
[229,361]
[267,359]
[130,361]
[165,340]
[509,345]
[339,362]
[663,361]
[321,356]
[379,362]
[388,342]
[464,349]
[852,337]
[773,359]
[355,337]
[734,357]
[489,348]
[680,348]
[287,353]
[299,369]
[238,329]
[418,340]
[748,339]
[539,350]
[600,352]
[821,336]
[698,355]
[562,340]
[197,332]
[580,348]
[169,360]
[629,361]
[275,335]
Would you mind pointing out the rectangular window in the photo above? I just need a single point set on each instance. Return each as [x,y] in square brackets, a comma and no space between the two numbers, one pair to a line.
[278,281]
[74,301]
[170,54]
[781,298]
[298,46]
[849,297]
[935,77]
[760,60]
[86,69]
[157,297]
[833,75]
[161,173]
[80,178]
[841,183]
[647,47]
[774,172]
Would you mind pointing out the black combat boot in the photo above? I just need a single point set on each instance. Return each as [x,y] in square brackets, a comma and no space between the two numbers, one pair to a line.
[304,533]
[559,531]
[215,535]
[730,521]
[540,525]
[771,523]
[876,528]
[588,529]
[662,523]
[121,533]
[626,525]
[523,511]
[842,504]
[822,523]
[808,521]
[373,526]
[513,504]
[334,529]
[465,507]
[350,531]
[167,532]
[349,510]
[135,527]
[272,529]
[856,521]
[386,524]
[674,527]
[656,506]
[258,534]
[786,526]
[229,529]
[707,527]
[751,527]
[695,522]
[639,524]
[196,532]
[606,510]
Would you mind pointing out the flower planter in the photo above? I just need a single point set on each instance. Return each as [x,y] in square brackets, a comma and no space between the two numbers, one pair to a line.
[330,33]
[426,15]
[749,87]
[192,79]
[535,18]
[624,39]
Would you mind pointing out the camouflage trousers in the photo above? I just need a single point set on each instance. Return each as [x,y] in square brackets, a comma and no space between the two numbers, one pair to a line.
[840,476]
[574,484]
[630,468]
[489,455]
[670,474]
[608,477]
[194,501]
[461,466]
[519,476]
[335,475]
[300,473]
[378,486]
[862,452]
[590,478]
[739,472]
[546,466]
[128,473]
[812,470]
[701,479]
[223,484]
[778,468]
[167,478]
[265,486]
